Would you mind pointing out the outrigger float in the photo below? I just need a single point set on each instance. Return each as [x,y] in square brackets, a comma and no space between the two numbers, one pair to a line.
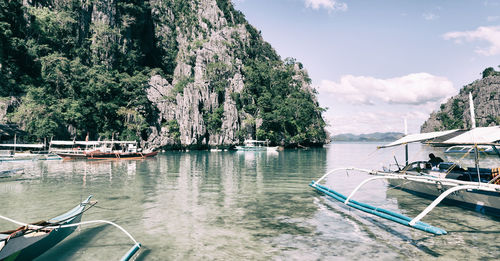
[474,187]
[31,240]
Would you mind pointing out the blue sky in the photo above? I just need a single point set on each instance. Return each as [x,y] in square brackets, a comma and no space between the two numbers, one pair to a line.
[375,63]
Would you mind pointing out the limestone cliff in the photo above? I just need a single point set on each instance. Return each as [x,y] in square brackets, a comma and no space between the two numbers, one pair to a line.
[211,79]
[455,113]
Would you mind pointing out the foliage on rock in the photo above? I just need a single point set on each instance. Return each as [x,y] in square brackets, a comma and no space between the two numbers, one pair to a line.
[455,113]
[189,73]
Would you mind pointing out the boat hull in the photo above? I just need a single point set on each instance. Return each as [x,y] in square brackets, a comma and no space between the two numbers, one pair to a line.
[482,201]
[31,245]
[256,148]
[36,245]
[124,155]
[67,155]
[107,155]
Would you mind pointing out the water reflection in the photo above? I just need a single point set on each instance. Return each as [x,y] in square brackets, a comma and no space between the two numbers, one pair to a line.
[250,205]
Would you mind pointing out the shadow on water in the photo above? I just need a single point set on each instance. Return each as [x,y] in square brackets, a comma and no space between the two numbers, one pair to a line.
[66,249]
[143,254]
[405,238]
[346,213]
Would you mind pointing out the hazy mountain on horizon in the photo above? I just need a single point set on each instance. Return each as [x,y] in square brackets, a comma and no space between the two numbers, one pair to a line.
[377,136]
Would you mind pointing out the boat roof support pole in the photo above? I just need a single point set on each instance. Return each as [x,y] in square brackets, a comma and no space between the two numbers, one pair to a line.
[476,161]
[406,145]
[496,150]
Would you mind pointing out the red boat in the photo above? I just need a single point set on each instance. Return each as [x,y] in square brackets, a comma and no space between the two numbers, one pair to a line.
[119,155]
[101,150]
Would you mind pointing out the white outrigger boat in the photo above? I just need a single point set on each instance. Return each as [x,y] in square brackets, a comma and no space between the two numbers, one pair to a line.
[474,187]
[256,145]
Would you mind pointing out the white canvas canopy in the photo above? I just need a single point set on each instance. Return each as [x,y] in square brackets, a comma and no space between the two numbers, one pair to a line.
[117,142]
[480,135]
[418,137]
[34,146]
[71,143]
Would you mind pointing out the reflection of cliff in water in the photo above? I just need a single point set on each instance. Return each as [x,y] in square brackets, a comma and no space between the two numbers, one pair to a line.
[209,198]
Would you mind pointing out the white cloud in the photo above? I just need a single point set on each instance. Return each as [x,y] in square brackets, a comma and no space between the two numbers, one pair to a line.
[364,122]
[490,34]
[492,18]
[330,5]
[413,89]
[430,16]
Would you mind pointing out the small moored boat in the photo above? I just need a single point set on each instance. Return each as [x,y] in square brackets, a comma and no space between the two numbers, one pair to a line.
[467,187]
[256,145]
[95,150]
[28,242]
[31,240]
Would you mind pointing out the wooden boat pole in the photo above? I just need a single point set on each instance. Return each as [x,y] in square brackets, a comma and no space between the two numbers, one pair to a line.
[476,161]
[406,145]
[473,126]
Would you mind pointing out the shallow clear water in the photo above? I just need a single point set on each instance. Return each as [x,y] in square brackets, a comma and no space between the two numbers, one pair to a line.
[204,205]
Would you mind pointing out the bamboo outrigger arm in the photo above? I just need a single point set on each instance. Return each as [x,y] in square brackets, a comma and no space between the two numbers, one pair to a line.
[337,169]
[439,199]
[366,181]
[455,185]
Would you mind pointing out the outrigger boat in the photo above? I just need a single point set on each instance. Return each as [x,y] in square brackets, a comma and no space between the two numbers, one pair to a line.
[25,152]
[31,240]
[96,150]
[474,187]
[256,145]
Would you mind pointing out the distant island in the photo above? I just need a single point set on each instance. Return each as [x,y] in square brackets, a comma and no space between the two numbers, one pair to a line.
[377,136]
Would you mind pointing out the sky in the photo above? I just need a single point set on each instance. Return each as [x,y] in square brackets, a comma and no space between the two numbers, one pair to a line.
[377,63]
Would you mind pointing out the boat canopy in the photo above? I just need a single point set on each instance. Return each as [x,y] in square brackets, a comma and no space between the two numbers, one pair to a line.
[480,135]
[255,141]
[418,137]
[117,142]
[71,143]
[62,142]
[35,146]
[476,136]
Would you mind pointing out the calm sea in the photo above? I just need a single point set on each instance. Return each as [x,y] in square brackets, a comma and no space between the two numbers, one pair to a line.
[228,205]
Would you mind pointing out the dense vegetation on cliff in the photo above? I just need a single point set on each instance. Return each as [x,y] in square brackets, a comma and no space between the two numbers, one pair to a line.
[87,67]
[69,83]
[455,113]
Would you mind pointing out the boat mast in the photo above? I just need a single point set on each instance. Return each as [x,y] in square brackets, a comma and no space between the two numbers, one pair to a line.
[472,115]
[406,145]
[473,123]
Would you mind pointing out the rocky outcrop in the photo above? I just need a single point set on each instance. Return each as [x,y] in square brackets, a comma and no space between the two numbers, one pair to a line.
[204,75]
[455,113]
[208,55]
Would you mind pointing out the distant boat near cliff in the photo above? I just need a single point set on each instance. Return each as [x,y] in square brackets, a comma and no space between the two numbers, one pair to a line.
[256,145]
[23,152]
[95,150]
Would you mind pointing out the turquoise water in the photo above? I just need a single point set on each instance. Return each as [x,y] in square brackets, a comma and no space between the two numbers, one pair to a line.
[202,205]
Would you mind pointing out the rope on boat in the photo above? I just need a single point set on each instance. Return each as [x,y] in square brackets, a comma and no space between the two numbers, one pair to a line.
[69,225]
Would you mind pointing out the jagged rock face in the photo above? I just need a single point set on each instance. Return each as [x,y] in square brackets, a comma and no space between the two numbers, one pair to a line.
[196,54]
[199,49]
[455,113]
